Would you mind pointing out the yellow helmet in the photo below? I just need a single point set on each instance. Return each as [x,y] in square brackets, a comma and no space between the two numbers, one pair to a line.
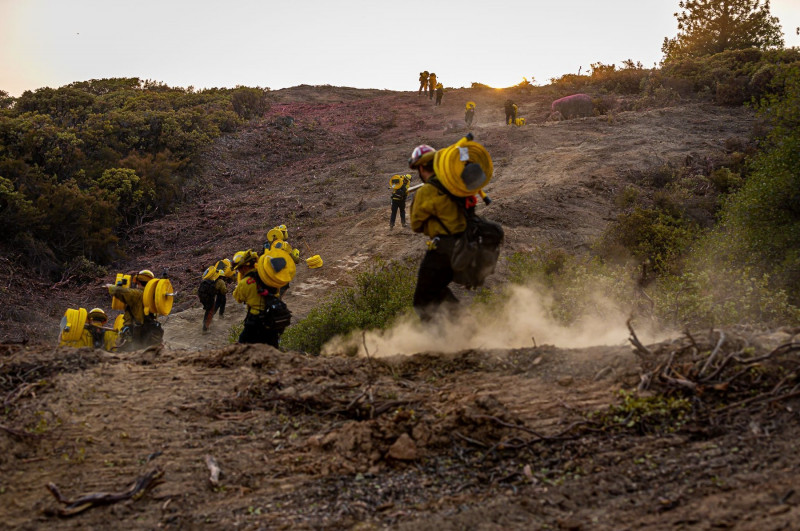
[97,314]
[241,258]
[225,267]
[275,234]
[145,276]
[211,273]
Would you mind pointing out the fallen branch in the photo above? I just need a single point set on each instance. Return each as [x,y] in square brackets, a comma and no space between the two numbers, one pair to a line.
[137,490]
[21,391]
[640,348]
[713,354]
[470,440]
[765,398]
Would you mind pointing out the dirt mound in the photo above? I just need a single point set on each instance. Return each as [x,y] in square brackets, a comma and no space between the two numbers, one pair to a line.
[502,438]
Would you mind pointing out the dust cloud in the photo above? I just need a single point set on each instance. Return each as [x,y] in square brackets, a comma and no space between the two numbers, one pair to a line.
[520,321]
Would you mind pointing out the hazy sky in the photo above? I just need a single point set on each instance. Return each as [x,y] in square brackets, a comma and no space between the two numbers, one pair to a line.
[356,43]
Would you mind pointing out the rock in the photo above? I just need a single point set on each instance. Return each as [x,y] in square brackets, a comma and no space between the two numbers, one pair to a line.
[289,391]
[566,381]
[403,449]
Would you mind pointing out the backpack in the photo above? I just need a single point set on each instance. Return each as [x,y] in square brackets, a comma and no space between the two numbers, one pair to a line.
[207,293]
[476,250]
[399,187]
[475,253]
[275,315]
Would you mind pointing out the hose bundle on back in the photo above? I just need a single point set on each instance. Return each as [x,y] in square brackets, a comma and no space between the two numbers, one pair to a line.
[463,168]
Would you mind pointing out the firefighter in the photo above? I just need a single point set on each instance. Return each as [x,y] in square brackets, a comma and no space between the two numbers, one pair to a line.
[95,334]
[398,184]
[510,109]
[138,330]
[431,85]
[439,93]
[436,215]
[469,113]
[423,83]
[212,294]
[267,315]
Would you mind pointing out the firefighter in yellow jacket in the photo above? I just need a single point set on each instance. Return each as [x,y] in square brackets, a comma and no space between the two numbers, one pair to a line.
[439,93]
[138,330]
[431,85]
[423,83]
[398,184]
[435,214]
[469,113]
[95,334]
[212,293]
[267,316]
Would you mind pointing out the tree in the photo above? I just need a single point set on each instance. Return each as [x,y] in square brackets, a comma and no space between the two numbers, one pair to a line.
[707,27]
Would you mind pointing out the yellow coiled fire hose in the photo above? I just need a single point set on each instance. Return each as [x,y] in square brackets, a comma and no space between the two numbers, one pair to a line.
[449,164]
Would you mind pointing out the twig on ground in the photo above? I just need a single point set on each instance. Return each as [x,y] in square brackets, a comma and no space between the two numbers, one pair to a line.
[640,348]
[469,440]
[73,507]
[713,354]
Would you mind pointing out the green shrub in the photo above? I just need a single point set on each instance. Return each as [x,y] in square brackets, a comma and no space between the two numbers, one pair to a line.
[645,414]
[576,286]
[725,180]
[760,222]
[380,294]
[235,331]
[83,163]
[249,102]
[708,296]
[654,236]
[627,197]
[732,91]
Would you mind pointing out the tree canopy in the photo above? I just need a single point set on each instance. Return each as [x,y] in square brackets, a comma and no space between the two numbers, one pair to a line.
[707,27]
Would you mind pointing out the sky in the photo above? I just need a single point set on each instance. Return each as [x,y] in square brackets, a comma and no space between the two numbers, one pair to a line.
[354,43]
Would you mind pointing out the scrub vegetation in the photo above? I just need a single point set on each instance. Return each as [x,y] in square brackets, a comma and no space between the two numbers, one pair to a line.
[82,164]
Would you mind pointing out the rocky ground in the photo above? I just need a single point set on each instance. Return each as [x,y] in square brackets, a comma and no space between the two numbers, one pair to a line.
[478,436]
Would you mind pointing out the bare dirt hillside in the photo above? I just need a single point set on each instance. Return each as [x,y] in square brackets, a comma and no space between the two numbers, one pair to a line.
[451,437]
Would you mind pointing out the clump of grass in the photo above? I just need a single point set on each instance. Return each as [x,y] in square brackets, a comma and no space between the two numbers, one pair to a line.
[381,293]
[657,414]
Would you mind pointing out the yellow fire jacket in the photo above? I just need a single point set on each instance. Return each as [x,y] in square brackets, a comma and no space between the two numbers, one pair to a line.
[220,287]
[134,303]
[247,292]
[434,213]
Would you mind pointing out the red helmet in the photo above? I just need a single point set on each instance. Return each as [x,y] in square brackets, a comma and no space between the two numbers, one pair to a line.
[421,155]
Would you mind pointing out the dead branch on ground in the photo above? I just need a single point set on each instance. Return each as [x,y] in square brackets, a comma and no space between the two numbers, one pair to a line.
[78,505]
[721,370]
